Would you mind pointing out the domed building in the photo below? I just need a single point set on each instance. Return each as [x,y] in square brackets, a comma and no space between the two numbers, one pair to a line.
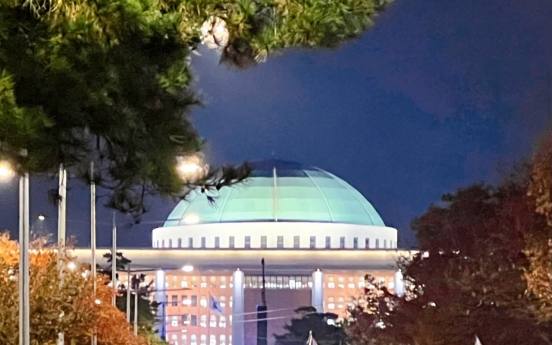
[283,205]
[318,237]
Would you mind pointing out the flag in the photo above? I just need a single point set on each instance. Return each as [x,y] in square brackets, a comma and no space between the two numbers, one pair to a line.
[214,304]
[477,342]
[311,340]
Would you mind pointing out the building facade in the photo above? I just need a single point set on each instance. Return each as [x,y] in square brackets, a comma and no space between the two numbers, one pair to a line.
[319,237]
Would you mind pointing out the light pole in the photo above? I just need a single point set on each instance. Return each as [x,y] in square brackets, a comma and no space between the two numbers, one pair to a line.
[62,229]
[93,238]
[6,172]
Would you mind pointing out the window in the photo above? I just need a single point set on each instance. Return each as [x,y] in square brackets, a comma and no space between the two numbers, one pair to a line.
[231,242]
[341,281]
[193,339]
[355,242]
[331,304]
[229,340]
[212,281]
[342,242]
[340,303]
[351,284]
[263,241]
[231,300]
[313,242]
[377,243]
[184,282]
[230,318]
[223,282]
[331,282]
[296,241]
[184,320]
[184,339]
[384,243]
[222,322]
[203,321]
[367,243]
[203,242]
[217,242]
[212,340]
[280,242]
[174,321]
[248,242]
[174,300]
[170,243]
[222,339]
[190,242]
[222,301]
[203,282]
[328,242]
[179,243]
[203,339]
[194,301]
[203,301]
[213,321]
[193,320]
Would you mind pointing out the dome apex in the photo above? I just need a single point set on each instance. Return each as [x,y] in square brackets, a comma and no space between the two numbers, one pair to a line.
[280,191]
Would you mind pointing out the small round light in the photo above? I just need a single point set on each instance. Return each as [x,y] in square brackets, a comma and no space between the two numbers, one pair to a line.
[71,266]
[188,268]
[41,217]
[6,170]
[97,301]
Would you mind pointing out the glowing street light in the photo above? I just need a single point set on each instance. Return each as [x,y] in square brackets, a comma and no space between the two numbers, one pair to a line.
[6,170]
[191,167]
[41,217]
[71,266]
[188,268]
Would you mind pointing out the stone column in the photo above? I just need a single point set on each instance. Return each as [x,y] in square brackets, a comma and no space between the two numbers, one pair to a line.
[399,284]
[238,308]
[160,297]
[317,293]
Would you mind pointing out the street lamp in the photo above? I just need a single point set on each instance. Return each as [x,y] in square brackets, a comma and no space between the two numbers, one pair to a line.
[7,171]
[191,168]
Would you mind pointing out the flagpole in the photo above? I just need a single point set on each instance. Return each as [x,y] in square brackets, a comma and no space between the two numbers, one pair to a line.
[209,320]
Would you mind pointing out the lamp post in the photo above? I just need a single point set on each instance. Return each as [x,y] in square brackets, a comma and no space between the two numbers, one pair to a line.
[93,238]
[6,172]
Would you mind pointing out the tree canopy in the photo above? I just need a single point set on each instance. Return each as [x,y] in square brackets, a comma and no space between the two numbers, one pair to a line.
[484,269]
[323,327]
[110,81]
[66,305]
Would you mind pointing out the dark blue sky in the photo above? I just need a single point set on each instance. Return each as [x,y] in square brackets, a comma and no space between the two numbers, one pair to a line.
[438,95]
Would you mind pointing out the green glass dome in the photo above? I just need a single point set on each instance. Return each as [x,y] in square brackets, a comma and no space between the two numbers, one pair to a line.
[280,191]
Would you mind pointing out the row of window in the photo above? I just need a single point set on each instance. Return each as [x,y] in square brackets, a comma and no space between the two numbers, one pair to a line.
[181,243]
[333,283]
[194,282]
[278,282]
[193,301]
[192,320]
[255,282]
[193,339]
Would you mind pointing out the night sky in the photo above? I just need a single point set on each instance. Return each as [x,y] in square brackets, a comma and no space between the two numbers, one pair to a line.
[438,95]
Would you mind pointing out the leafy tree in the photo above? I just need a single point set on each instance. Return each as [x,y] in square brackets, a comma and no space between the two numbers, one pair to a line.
[110,81]
[58,304]
[484,269]
[323,327]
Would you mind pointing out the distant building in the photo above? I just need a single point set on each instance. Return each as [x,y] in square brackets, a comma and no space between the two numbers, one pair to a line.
[318,235]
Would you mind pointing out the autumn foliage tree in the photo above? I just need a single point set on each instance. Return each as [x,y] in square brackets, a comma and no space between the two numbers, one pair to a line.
[58,305]
[483,269]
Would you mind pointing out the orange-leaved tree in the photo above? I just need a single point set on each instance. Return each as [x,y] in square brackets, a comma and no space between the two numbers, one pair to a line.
[59,303]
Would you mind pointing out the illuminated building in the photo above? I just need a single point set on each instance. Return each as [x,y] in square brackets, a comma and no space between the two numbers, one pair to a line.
[318,235]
